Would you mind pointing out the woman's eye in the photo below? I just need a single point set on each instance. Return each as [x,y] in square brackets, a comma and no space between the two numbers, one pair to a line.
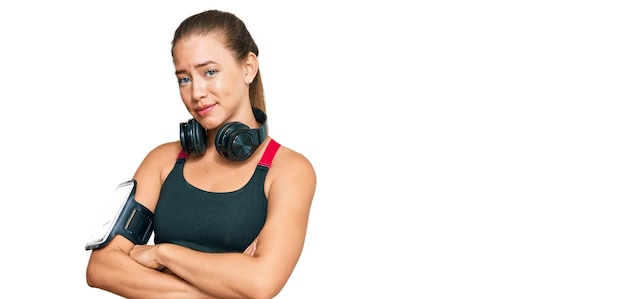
[210,73]
[184,80]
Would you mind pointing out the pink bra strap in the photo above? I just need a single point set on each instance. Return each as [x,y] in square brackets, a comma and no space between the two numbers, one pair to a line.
[268,155]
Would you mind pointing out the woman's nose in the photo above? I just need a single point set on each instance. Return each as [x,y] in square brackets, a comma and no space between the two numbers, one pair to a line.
[198,89]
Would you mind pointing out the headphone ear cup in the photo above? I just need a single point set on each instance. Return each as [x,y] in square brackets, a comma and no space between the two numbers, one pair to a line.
[193,137]
[235,141]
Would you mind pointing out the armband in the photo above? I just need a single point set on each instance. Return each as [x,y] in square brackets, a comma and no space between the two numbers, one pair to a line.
[125,217]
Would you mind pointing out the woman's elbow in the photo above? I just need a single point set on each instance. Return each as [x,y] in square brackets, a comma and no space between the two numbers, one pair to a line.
[95,274]
[91,276]
[265,287]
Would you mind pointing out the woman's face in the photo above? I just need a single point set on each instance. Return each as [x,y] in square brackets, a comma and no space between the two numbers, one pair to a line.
[212,83]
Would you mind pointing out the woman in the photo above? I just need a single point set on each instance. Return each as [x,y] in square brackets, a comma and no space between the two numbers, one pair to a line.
[230,214]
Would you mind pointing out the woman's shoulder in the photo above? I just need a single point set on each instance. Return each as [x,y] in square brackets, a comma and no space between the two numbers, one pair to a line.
[162,157]
[290,160]
[166,151]
[291,176]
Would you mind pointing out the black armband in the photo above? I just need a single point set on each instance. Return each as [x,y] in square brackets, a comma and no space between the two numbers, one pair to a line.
[126,217]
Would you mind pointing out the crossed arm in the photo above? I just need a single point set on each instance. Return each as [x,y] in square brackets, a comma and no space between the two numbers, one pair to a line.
[173,271]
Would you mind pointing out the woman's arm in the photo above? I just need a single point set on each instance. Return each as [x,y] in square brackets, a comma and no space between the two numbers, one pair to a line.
[290,186]
[112,269]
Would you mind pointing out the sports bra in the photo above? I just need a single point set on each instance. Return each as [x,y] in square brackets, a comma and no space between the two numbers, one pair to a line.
[212,221]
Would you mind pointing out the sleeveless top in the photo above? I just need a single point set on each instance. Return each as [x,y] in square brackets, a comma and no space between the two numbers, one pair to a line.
[212,221]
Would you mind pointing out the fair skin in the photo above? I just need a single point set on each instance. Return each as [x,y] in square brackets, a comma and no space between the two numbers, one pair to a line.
[213,87]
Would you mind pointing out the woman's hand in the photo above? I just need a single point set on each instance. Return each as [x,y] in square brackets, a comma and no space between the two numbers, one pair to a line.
[146,256]
[251,248]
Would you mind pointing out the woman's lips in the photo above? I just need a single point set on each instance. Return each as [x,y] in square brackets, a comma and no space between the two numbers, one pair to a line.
[204,110]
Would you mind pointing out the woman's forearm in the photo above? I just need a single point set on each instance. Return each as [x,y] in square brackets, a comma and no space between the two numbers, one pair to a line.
[230,275]
[116,272]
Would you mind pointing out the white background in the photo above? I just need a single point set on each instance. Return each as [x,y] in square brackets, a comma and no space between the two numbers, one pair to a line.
[464,149]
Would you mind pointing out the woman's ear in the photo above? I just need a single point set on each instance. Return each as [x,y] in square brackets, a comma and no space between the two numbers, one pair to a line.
[250,67]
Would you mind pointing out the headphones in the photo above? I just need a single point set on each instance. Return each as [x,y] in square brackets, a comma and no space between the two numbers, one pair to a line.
[234,141]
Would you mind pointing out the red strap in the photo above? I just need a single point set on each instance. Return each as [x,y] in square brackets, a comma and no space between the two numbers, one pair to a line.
[182,155]
[268,155]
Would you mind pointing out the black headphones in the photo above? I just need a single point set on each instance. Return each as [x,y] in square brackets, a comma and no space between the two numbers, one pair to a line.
[234,141]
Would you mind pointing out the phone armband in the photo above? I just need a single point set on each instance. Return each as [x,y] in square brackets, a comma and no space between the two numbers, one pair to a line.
[125,217]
